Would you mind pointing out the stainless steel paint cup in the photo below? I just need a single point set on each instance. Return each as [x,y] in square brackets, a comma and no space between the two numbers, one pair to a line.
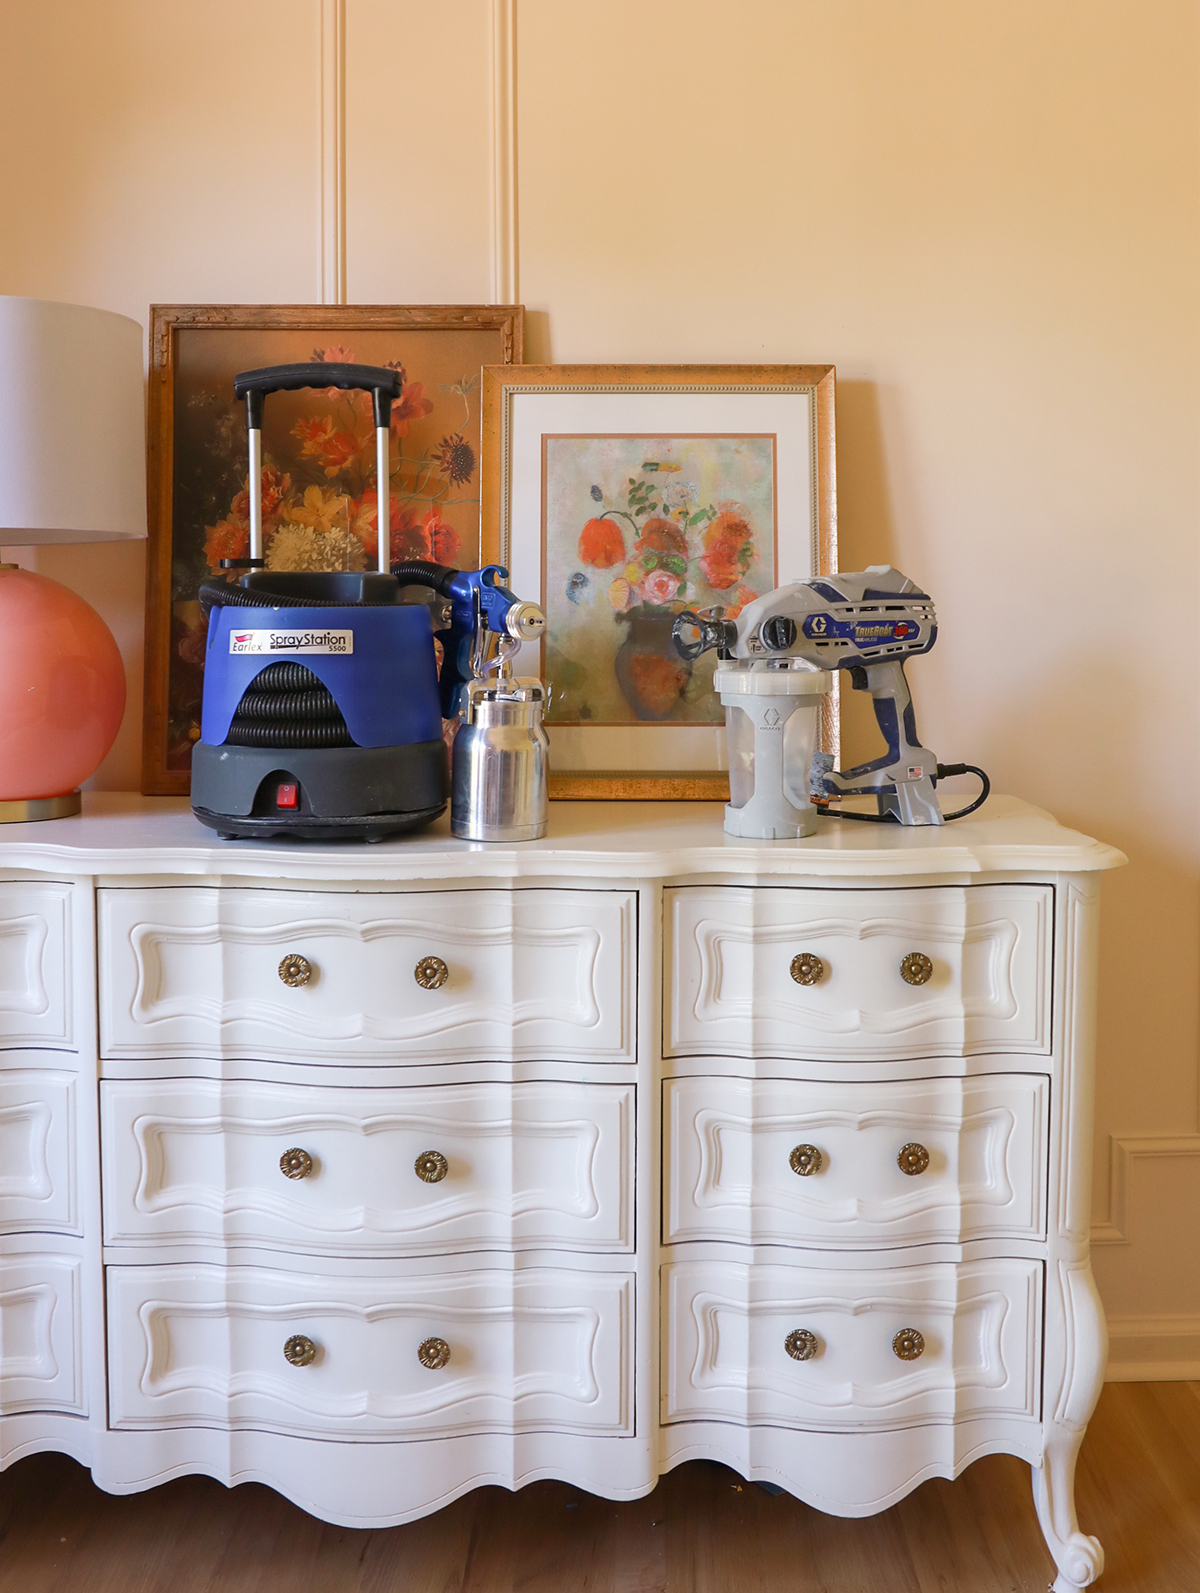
[498,783]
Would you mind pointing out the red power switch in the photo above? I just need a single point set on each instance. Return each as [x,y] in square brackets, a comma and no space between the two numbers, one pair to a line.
[287,796]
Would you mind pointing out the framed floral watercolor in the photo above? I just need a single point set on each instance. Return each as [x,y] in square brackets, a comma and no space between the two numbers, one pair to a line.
[621,495]
[319,488]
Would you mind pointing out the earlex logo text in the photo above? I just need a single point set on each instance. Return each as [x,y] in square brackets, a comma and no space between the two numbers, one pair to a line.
[291,642]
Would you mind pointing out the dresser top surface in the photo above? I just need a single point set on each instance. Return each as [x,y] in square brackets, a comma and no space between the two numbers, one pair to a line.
[122,833]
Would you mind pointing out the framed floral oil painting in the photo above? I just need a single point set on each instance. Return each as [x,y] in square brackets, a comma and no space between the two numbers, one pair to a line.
[318,479]
[620,496]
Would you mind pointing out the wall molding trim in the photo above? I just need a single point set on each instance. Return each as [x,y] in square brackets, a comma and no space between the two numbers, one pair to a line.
[503,151]
[1147,1349]
[333,151]
[1123,1152]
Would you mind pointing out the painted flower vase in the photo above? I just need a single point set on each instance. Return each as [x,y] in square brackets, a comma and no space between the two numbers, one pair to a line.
[649,671]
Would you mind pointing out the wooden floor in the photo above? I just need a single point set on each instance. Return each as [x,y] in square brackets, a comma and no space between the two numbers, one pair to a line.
[701,1531]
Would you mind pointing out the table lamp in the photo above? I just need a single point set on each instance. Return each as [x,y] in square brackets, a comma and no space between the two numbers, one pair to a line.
[72,469]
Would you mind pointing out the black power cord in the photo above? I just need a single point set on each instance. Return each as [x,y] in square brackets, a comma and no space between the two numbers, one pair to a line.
[944,770]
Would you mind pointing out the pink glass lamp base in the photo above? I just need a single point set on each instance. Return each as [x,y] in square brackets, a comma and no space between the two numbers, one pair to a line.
[62,695]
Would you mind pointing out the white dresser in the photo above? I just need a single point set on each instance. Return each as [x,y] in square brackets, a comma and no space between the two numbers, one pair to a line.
[379,1173]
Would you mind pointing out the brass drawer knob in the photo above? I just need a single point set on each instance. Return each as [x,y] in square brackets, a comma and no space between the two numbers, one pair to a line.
[913,1158]
[807,968]
[295,970]
[299,1351]
[431,973]
[916,968]
[800,1344]
[295,1163]
[431,1167]
[805,1160]
[908,1344]
[433,1354]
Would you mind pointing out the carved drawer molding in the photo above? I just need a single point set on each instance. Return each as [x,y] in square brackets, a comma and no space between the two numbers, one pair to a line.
[38,1181]
[543,1349]
[35,968]
[200,971]
[41,1350]
[500,1165]
[731,1171]
[727,1325]
[730,952]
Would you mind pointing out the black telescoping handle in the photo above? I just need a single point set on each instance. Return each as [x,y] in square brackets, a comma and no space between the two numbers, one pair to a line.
[381,383]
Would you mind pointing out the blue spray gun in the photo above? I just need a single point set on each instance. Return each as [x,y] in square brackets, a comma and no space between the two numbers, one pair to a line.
[481,613]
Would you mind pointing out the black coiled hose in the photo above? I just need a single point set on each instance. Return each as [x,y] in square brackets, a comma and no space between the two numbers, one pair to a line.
[219,594]
[284,677]
[285,705]
[410,572]
[317,704]
[289,733]
[418,572]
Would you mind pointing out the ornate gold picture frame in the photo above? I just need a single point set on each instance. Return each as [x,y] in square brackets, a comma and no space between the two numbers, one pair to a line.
[319,486]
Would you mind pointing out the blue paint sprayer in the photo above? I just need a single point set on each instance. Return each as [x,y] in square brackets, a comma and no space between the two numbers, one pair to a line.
[322,712]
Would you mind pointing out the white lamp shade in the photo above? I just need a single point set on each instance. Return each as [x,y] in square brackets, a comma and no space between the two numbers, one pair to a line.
[72,424]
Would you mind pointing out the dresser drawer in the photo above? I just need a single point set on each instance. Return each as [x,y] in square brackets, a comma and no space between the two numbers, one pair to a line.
[538,1349]
[399,977]
[34,964]
[728,1327]
[37,1151]
[825,974]
[512,1166]
[40,1334]
[794,1162]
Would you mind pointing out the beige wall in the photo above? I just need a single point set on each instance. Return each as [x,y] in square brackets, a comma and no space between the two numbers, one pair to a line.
[986,216]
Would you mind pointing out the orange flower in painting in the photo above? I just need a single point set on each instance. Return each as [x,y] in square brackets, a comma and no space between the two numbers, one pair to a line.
[410,536]
[313,432]
[442,537]
[411,405]
[741,597]
[661,536]
[335,354]
[410,540]
[343,446]
[601,544]
[229,539]
[275,487]
[728,549]
[364,518]
[320,439]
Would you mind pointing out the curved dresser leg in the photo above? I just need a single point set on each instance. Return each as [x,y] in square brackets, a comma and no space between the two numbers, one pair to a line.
[1076,1352]
[1079,1558]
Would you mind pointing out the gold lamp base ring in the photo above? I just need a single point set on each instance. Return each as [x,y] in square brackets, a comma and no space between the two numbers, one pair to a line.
[28,810]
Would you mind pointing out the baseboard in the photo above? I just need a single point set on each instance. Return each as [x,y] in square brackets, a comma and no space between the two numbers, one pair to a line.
[1154,1349]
